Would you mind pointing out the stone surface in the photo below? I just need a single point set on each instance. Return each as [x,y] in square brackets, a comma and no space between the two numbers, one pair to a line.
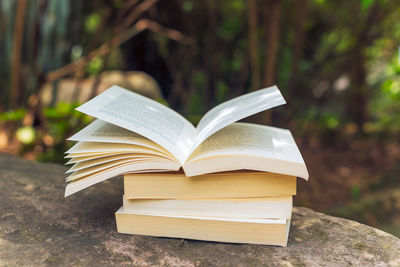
[39,227]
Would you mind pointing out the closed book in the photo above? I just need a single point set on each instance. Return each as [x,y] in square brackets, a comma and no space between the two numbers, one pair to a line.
[231,230]
[239,184]
[251,208]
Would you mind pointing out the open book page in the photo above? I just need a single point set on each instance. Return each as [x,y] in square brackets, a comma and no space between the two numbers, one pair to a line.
[98,161]
[94,169]
[106,157]
[236,109]
[137,165]
[94,147]
[247,140]
[103,155]
[144,116]
[90,154]
[101,131]
[105,174]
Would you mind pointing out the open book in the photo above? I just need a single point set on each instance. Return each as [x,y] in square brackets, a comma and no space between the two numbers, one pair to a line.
[135,134]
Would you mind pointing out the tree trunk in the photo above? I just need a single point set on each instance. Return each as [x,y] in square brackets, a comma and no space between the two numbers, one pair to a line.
[17,52]
[272,37]
[253,45]
[272,23]
[300,11]
[357,100]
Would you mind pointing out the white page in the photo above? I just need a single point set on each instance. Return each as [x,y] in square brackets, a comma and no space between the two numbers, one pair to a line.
[97,161]
[86,170]
[85,182]
[236,109]
[248,139]
[252,208]
[107,157]
[93,148]
[101,131]
[138,164]
[93,154]
[242,138]
[104,155]
[145,117]
[249,220]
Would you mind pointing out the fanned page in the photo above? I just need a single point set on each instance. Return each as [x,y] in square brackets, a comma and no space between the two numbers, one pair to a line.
[144,116]
[105,150]
[104,132]
[101,131]
[136,134]
[236,109]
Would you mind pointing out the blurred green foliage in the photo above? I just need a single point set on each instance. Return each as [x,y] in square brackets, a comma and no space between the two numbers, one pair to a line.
[337,64]
[13,115]
[92,22]
[385,105]
[61,121]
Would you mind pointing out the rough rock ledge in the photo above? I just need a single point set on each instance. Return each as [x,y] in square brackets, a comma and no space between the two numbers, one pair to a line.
[39,227]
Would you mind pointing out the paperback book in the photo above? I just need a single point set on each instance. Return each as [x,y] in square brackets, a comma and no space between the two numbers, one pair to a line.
[134,134]
[222,180]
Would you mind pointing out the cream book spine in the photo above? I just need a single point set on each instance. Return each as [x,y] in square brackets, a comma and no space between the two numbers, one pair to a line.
[240,184]
[231,230]
[250,208]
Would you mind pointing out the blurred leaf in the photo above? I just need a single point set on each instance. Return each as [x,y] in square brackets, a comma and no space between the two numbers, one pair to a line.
[118,3]
[366,4]
[195,105]
[13,115]
[222,91]
[187,6]
[95,66]
[355,191]
[61,110]
[231,25]
[26,135]
[76,52]
[115,59]
[162,43]
[396,69]
[237,5]
[391,88]
[86,118]
[194,119]
[92,22]
[331,122]
[163,101]
[237,61]
[199,79]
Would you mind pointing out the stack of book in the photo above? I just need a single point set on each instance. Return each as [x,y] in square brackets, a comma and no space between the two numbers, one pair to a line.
[221,181]
[240,207]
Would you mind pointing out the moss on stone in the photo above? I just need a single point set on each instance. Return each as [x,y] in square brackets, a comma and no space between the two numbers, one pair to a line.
[359,246]
[26,236]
